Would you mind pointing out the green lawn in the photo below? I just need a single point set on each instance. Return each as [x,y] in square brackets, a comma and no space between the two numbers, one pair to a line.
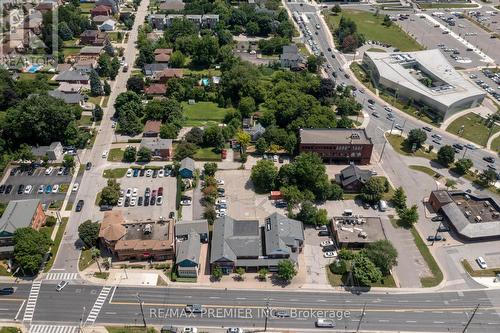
[85,260]
[115,155]
[85,121]
[202,113]
[103,275]
[424,169]
[114,173]
[474,128]
[437,275]
[113,36]
[55,247]
[70,43]
[399,144]
[495,144]
[10,330]
[206,154]
[70,51]
[95,99]
[202,72]
[374,49]
[371,27]
[447,5]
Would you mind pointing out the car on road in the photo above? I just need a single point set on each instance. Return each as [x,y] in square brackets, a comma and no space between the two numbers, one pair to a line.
[129,173]
[189,330]
[49,171]
[171,215]
[371,101]
[7,291]
[470,146]
[20,189]
[88,166]
[388,109]
[437,136]
[330,254]
[104,154]
[481,262]
[489,159]
[436,238]
[326,243]
[79,206]
[427,128]
[27,189]
[193,308]
[76,186]
[61,285]
[323,322]
[234,330]
[281,313]
[437,218]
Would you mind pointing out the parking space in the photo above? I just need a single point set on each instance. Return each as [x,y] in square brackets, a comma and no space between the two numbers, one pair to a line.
[134,188]
[490,251]
[315,260]
[36,184]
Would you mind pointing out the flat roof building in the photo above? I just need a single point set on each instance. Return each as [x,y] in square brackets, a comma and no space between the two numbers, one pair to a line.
[426,77]
[357,231]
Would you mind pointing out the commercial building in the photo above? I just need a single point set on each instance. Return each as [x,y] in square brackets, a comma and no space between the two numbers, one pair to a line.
[187,257]
[246,243]
[137,240]
[54,152]
[19,214]
[425,77]
[337,145]
[473,218]
[161,148]
[357,231]
[184,228]
[187,167]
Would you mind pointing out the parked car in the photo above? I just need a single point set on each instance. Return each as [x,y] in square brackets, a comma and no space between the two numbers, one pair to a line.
[149,173]
[48,189]
[49,171]
[129,173]
[104,154]
[234,330]
[437,218]
[136,173]
[60,171]
[142,172]
[159,200]
[489,159]
[326,243]
[55,188]
[20,189]
[171,215]
[161,173]
[120,202]
[330,254]
[129,192]
[443,228]
[133,201]
[75,187]
[481,262]
[41,189]
[427,128]
[140,201]
[8,189]
[186,203]
[88,166]
[27,189]
[79,206]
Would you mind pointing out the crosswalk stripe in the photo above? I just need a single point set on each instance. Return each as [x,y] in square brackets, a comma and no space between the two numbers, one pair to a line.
[52,329]
[29,311]
[61,276]
[99,302]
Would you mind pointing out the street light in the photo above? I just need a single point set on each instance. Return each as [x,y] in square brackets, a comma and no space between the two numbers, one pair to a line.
[81,319]
[141,304]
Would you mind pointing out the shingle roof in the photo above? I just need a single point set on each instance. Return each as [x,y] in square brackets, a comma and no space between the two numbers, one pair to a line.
[152,126]
[69,98]
[155,89]
[353,173]
[150,69]
[189,249]
[18,214]
[91,50]
[71,76]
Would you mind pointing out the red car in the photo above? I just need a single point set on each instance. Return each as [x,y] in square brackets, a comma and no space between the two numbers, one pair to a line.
[160,191]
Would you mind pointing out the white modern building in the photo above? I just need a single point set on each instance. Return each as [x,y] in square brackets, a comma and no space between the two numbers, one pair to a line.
[426,77]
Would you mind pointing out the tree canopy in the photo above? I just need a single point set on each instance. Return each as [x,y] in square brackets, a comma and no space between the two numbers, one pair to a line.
[30,247]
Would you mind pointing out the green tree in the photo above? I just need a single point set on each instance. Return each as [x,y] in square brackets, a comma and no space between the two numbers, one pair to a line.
[261,146]
[240,271]
[243,138]
[213,137]
[109,196]
[169,131]
[68,161]
[144,154]
[104,65]
[95,84]
[463,165]
[286,270]
[195,135]
[262,273]
[292,195]
[314,63]
[408,216]
[216,273]
[252,28]
[115,68]
[247,106]
[209,169]
[106,88]
[96,254]
[336,9]
[383,254]
[336,192]
[446,155]
[373,190]
[307,213]
[135,84]
[30,247]
[97,113]
[130,154]
[488,176]
[364,271]
[387,21]
[264,175]
[88,232]
[177,59]
[416,137]
[210,214]
[399,198]
[185,149]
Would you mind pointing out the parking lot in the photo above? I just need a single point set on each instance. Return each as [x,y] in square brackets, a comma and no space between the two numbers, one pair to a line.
[142,212]
[314,257]
[37,179]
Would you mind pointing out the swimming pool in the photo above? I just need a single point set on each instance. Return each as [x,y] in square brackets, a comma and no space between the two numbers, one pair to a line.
[205,81]
[34,68]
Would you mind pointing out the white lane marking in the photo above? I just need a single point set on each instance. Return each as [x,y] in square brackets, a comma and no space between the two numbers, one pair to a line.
[19,311]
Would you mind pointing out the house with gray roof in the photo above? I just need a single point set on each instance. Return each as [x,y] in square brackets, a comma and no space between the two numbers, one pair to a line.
[72,77]
[187,256]
[68,98]
[187,168]
[19,214]
[352,178]
[184,228]
[157,21]
[151,70]
[54,152]
[161,148]
[255,131]
[248,244]
[291,58]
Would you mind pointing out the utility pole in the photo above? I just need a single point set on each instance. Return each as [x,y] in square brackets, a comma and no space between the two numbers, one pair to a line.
[465,150]
[267,314]
[385,142]
[81,319]
[141,303]
[470,319]
[361,319]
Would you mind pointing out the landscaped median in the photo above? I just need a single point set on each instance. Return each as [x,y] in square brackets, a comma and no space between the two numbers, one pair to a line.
[437,275]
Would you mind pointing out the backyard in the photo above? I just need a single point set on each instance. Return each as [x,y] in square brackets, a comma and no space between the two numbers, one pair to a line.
[206,154]
[474,128]
[371,27]
[203,113]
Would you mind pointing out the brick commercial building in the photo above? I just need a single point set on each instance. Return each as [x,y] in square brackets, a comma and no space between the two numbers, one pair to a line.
[337,145]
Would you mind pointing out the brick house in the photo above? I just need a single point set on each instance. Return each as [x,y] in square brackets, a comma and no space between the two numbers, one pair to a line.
[161,148]
[100,10]
[94,38]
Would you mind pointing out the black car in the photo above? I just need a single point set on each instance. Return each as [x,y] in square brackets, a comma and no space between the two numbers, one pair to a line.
[8,189]
[155,173]
[13,171]
[152,201]
[458,146]
[437,218]
[371,101]
[66,171]
[146,200]
[127,202]
[139,201]
[427,128]
[142,172]
[171,215]
[2,189]
[88,166]
[105,208]
[20,189]
[329,49]
[486,158]
[7,291]
[31,171]
[79,206]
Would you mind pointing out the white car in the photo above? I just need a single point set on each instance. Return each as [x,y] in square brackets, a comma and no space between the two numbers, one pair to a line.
[60,171]
[104,154]
[161,173]
[75,187]
[189,330]
[61,285]
[234,330]
[149,173]
[129,173]
[481,262]
[221,201]
[49,171]
[55,188]
[220,182]
[330,254]
[129,192]
[133,201]
[120,202]
[275,158]
[40,189]
[134,192]
[186,203]
[327,243]
[27,189]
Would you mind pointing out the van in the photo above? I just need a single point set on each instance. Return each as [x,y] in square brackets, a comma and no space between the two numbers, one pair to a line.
[382,205]
[322,322]
[347,212]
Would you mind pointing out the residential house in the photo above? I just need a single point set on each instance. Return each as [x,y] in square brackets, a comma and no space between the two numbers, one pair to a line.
[171,6]
[136,240]
[101,10]
[161,148]
[85,65]
[184,228]
[172,17]
[209,20]
[168,73]
[108,25]
[162,55]
[291,58]
[152,70]
[196,19]
[19,214]
[54,152]
[187,258]
[72,76]
[151,129]
[155,89]
[245,243]
[352,178]
[255,131]
[94,38]
[113,4]
[186,170]
[90,53]
[100,19]
[157,21]
[337,145]
[69,98]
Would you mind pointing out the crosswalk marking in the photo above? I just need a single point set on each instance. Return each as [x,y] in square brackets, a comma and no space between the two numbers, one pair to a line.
[61,276]
[52,329]
[98,305]
[32,298]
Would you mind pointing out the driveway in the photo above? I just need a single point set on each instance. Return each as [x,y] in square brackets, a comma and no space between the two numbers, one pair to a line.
[313,257]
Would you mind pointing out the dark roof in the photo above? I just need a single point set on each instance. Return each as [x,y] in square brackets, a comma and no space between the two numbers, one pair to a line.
[351,174]
[334,136]
[442,196]
[187,163]
[183,228]
[282,233]
[71,76]
[189,249]
[74,98]
[18,214]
